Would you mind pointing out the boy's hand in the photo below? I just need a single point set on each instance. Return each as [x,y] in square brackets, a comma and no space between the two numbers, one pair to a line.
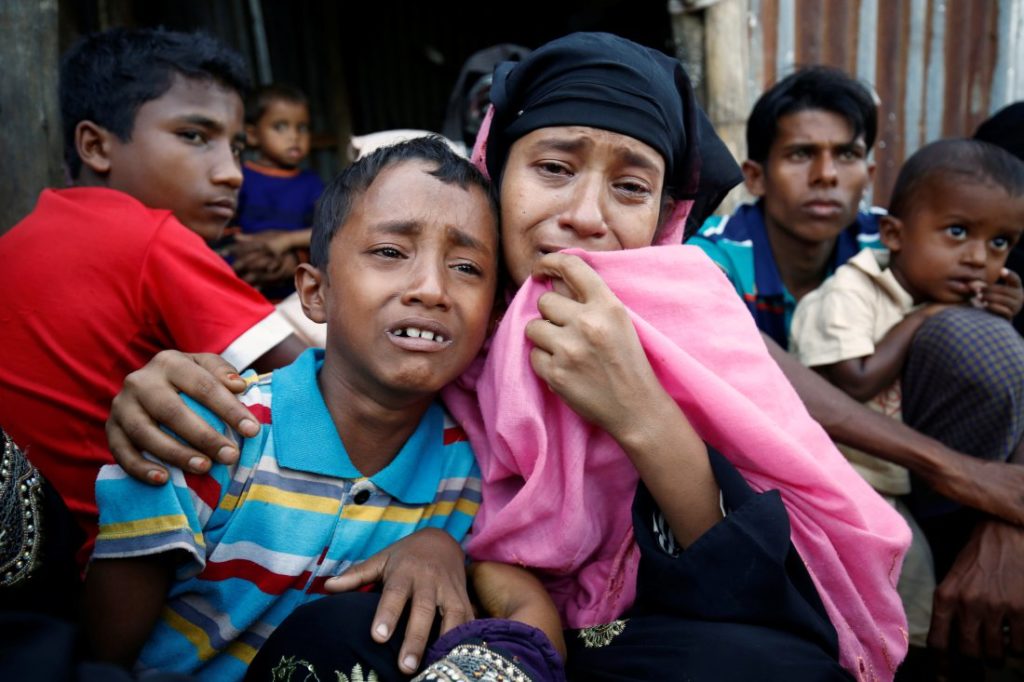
[514,593]
[426,570]
[150,397]
[1006,297]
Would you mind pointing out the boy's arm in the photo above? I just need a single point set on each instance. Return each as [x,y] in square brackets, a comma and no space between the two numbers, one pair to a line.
[865,377]
[123,600]
[151,397]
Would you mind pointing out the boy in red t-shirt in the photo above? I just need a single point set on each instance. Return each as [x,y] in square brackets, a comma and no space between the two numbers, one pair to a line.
[103,275]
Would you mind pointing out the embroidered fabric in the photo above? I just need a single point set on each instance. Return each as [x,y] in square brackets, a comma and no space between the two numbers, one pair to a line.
[21,496]
[472,662]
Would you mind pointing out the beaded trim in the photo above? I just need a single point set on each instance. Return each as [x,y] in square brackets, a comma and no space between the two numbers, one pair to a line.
[21,495]
[468,662]
[602,635]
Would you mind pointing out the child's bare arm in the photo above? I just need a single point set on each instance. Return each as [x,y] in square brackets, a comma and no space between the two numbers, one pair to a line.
[863,378]
[123,599]
[514,593]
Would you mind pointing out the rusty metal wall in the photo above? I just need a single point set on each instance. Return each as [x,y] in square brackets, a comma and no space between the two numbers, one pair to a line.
[939,67]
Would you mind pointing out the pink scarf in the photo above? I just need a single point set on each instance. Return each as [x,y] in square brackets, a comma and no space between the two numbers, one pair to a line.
[557,492]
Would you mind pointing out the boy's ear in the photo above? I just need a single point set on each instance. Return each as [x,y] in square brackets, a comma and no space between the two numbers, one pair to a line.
[93,143]
[310,284]
[890,229]
[753,177]
[250,136]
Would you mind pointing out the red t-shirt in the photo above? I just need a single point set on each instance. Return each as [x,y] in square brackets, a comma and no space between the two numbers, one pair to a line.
[92,285]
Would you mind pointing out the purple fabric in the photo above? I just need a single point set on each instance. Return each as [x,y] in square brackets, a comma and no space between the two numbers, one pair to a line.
[525,646]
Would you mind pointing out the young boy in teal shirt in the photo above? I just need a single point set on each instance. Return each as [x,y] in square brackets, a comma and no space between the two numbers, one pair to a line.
[355,452]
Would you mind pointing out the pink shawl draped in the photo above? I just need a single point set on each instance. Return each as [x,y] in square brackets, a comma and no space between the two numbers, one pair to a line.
[557,492]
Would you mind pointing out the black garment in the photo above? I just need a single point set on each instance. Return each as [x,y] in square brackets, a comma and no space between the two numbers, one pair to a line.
[331,635]
[460,123]
[37,553]
[737,604]
[34,646]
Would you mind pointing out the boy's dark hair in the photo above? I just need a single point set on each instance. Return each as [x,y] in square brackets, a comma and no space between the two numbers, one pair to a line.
[816,87]
[961,159]
[335,204]
[258,101]
[107,76]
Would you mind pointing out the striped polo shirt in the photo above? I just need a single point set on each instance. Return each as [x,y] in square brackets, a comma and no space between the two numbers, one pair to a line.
[739,245]
[261,536]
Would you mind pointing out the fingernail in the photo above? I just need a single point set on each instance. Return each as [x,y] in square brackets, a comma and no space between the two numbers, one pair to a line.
[382,631]
[157,476]
[235,377]
[227,454]
[198,464]
[248,427]
[409,662]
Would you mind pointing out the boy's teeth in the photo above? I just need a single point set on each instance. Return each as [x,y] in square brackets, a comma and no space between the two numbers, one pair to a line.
[416,333]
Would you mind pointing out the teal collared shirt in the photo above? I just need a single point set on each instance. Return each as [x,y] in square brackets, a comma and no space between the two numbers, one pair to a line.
[306,439]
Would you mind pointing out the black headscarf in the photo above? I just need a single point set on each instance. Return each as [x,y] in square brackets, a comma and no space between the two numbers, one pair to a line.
[603,81]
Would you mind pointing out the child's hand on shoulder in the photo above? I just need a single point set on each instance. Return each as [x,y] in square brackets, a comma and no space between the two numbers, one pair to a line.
[1005,298]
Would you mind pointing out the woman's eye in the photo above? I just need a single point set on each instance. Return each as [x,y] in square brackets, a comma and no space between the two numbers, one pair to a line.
[553,168]
[636,188]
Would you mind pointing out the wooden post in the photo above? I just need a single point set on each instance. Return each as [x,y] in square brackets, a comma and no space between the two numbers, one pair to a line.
[726,44]
[31,134]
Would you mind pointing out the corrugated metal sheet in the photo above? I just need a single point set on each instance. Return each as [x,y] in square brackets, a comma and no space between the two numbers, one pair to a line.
[939,67]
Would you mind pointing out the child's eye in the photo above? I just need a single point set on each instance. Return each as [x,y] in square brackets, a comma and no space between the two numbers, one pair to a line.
[388,252]
[1001,243]
[303,128]
[956,231]
[280,127]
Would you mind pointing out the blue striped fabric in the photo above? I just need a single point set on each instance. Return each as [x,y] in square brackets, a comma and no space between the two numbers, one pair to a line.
[262,536]
[739,245]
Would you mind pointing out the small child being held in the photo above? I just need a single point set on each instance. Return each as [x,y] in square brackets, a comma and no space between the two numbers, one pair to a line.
[275,206]
[956,212]
[355,451]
